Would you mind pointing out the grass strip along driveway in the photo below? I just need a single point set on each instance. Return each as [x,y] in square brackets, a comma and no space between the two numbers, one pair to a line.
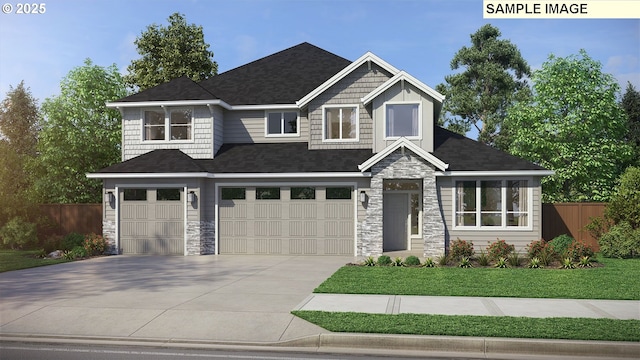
[23,259]
[616,280]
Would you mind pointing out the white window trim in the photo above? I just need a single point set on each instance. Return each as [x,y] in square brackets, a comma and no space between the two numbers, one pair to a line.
[384,123]
[324,123]
[167,125]
[503,209]
[281,112]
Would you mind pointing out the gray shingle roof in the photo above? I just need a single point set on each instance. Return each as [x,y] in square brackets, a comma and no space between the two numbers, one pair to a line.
[461,153]
[280,78]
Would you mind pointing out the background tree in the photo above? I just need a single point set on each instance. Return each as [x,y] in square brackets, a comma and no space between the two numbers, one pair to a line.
[19,131]
[79,134]
[170,52]
[631,105]
[573,125]
[493,77]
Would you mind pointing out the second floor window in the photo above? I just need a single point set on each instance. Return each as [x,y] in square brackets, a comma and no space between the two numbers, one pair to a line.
[282,123]
[402,120]
[341,123]
[175,124]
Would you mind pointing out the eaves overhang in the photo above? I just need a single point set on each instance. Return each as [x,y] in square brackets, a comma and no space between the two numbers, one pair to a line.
[305,175]
[484,173]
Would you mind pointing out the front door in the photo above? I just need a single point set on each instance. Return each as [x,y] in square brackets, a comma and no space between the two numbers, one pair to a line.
[395,216]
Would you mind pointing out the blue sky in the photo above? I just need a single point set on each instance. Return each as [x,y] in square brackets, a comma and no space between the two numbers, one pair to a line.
[419,36]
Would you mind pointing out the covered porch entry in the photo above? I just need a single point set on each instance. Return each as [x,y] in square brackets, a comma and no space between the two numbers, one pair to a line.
[402,215]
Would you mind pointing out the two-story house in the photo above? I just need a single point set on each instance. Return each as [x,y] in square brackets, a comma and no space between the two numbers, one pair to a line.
[304,152]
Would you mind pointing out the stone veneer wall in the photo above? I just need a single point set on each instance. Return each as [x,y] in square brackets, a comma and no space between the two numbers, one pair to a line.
[398,166]
[109,234]
[200,237]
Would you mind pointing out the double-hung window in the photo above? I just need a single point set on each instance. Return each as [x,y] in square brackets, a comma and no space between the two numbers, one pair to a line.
[340,123]
[402,119]
[492,203]
[283,123]
[169,125]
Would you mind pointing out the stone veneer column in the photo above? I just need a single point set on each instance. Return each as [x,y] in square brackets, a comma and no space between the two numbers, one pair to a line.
[109,234]
[399,166]
[200,237]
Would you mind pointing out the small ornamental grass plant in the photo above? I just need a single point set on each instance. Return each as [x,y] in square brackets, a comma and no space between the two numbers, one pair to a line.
[465,262]
[461,248]
[429,263]
[498,249]
[535,263]
[483,259]
[443,260]
[398,261]
[584,261]
[567,263]
[501,263]
[369,261]
[514,259]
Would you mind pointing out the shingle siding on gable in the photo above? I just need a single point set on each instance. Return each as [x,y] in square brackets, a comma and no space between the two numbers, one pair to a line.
[248,126]
[200,148]
[350,90]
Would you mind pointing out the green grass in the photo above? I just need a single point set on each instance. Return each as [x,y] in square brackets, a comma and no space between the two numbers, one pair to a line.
[23,259]
[616,280]
[482,326]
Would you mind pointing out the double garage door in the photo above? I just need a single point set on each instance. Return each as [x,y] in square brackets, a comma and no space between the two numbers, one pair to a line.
[286,220]
[152,221]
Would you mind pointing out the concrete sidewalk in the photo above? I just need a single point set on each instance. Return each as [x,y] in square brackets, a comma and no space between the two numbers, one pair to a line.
[467,305]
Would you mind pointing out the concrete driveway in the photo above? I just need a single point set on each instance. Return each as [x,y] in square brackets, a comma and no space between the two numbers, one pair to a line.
[212,298]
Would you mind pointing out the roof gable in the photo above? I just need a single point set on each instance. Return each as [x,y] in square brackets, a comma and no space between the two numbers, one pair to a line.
[402,143]
[368,57]
[402,76]
[280,78]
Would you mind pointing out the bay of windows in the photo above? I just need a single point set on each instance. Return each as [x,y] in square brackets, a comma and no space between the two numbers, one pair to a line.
[173,124]
[492,203]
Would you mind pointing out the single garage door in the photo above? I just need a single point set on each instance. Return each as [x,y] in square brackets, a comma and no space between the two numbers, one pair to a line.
[286,220]
[152,221]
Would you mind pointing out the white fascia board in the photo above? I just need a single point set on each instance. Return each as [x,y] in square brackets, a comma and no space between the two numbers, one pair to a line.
[265,107]
[497,173]
[402,76]
[147,175]
[344,72]
[403,142]
[125,104]
[310,175]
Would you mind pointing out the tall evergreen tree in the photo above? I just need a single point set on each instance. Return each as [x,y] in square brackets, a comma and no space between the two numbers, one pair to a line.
[631,105]
[494,76]
[170,52]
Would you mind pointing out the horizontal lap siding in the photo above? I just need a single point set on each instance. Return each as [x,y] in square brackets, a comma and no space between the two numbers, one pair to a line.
[482,238]
[248,126]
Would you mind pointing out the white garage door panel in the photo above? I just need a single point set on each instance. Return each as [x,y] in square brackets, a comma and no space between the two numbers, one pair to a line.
[151,226]
[297,227]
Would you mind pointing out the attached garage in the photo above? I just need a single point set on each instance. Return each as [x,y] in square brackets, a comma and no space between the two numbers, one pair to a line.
[292,220]
[152,221]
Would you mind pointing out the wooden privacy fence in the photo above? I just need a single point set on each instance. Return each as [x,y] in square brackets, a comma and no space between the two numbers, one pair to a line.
[68,218]
[570,218]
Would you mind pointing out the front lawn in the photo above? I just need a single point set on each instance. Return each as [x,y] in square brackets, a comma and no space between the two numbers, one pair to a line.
[22,259]
[616,280]
[482,326]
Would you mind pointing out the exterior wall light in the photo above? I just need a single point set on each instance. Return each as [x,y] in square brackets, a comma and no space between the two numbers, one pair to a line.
[363,196]
[191,196]
[110,197]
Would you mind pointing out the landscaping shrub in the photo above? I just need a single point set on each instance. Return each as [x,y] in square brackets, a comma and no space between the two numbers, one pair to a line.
[498,249]
[535,263]
[72,240]
[620,242]
[461,248]
[577,250]
[598,226]
[535,247]
[465,262]
[52,243]
[94,244]
[623,205]
[501,263]
[19,234]
[412,261]
[384,260]
[561,243]
[514,259]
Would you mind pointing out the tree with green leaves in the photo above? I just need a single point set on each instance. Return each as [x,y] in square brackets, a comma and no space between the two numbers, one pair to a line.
[631,105]
[493,77]
[572,124]
[79,134]
[170,52]
[19,132]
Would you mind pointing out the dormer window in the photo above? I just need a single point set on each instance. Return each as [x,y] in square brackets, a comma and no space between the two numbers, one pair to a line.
[402,119]
[282,123]
[169,125]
